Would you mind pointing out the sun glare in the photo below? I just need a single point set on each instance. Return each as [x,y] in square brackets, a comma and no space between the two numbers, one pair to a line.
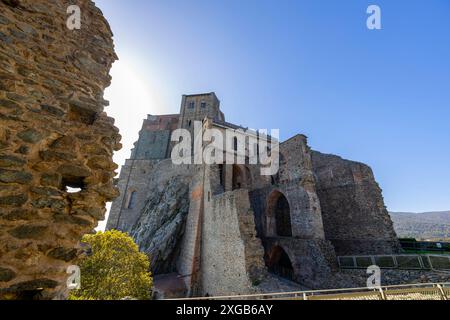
[131,99]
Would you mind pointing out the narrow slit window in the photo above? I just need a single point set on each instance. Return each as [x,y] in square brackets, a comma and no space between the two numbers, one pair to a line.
[132,200]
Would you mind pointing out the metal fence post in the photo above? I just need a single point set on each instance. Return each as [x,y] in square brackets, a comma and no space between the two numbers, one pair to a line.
[442,292]
[382,295]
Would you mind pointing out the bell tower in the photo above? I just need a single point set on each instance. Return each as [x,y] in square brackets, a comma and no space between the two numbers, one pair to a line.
[197,107]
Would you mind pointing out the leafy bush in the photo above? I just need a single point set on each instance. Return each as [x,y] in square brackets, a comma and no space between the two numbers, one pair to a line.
[113,269]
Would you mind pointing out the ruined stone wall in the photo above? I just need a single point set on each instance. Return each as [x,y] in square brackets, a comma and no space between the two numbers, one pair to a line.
[53,135]
[354,215]
[313,261]
[295,162]
[295,181]
[189,260]
[229,231]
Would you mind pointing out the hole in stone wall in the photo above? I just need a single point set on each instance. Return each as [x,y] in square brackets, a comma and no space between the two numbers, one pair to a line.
[81,115]
[73,184]
[12,3]
[73,190]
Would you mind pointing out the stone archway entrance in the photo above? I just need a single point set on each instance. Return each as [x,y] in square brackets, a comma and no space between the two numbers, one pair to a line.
[280,264]
[279,216]
[238,177]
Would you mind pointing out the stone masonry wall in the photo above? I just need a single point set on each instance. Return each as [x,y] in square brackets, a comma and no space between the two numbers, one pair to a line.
[53,135]
[354,215]
[296,182]
[189,260]
[232,257]
[134,177]
[152,145]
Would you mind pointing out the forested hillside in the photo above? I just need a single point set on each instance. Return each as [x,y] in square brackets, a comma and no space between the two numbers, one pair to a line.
[423,226]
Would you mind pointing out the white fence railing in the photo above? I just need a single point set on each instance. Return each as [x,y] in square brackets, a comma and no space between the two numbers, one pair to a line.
[427,291]
[399,261]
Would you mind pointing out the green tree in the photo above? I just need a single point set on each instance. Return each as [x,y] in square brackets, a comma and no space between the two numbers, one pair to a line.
[113,269]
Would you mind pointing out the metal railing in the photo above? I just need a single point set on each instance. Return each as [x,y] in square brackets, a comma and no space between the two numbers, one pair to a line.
[398,261]
[427,291]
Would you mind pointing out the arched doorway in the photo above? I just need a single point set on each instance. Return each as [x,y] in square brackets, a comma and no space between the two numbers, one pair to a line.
[279,216]
[280,264]
[238,177]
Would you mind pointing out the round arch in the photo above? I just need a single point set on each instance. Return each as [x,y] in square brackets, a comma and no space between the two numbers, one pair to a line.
[238,177]
[241,177]
[279,263]
[278,216]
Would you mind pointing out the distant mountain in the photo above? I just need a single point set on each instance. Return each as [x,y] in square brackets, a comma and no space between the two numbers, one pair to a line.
[422,226]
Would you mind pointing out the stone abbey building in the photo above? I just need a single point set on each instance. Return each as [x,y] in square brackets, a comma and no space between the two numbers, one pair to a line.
[227,229]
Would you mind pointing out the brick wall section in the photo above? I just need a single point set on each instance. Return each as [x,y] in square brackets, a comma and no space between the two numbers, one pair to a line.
[354,215]
[53,134]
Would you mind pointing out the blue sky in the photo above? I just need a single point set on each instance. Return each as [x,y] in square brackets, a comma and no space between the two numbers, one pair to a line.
[312,67]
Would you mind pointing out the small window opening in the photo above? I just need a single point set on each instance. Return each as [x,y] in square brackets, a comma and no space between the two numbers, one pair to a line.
[221,174]
[132,200]
[72,184]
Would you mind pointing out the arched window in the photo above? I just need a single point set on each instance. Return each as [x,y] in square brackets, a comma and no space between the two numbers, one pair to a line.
[278,216]
[283,217]
[132,200]
[238,177]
